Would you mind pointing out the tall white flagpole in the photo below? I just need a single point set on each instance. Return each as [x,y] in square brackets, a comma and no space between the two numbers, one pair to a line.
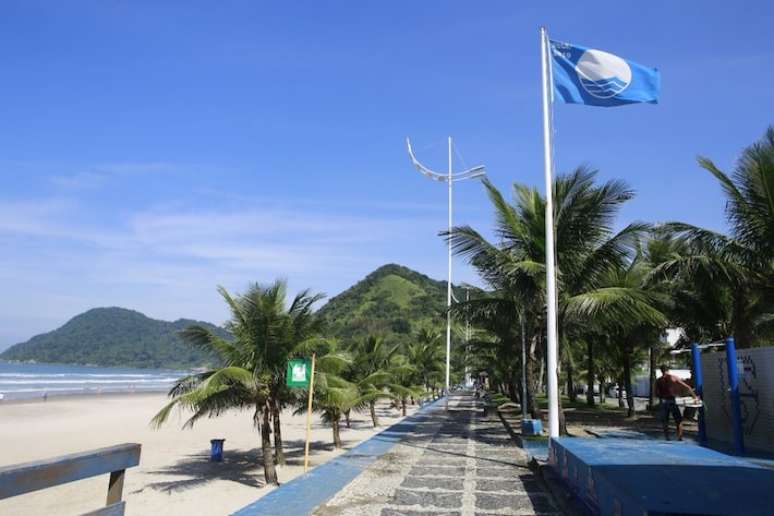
[553,391]
[449,283]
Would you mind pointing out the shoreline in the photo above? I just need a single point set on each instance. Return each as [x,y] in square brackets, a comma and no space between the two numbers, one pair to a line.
[78,396]
[41,381]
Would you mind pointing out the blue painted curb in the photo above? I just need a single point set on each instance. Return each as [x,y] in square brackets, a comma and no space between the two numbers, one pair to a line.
[305,492]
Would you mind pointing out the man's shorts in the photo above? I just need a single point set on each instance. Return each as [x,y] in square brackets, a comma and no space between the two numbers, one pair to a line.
[668,406]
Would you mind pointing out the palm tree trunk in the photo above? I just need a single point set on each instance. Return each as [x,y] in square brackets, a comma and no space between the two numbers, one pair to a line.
[403,406]
[336,433]
[620,391]
[590,372]
[602,394]
[570,382]
[740,319]
[372,407]
[563,345]
[347,419]
[269,470]
[279,452]
[562,419]
[532,381]
[652,378]
[628,384]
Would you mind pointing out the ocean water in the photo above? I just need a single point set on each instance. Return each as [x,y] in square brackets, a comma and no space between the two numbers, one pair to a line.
[23,381]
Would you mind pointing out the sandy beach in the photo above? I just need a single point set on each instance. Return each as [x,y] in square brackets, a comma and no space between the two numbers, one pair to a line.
[175,475]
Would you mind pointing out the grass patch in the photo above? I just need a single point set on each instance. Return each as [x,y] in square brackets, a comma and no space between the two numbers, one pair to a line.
[499,399]
[542,402]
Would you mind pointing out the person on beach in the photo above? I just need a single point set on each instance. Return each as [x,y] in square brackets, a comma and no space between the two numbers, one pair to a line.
[668,387]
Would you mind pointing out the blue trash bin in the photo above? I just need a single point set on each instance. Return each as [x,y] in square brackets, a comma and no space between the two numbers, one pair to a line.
[216,450]
[531,427]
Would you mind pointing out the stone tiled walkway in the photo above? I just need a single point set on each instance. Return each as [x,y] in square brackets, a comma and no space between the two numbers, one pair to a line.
[455,463]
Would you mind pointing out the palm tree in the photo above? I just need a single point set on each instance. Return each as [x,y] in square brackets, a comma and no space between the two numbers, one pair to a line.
[333,395]
[632,317]
[405,374]
[251,366]
[741,265]
[494,312]
[586,248]
[425,355]
[370,369]
[303,326]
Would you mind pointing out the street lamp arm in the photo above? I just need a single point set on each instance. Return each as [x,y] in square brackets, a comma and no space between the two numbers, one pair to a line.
[470,173]
[423,169]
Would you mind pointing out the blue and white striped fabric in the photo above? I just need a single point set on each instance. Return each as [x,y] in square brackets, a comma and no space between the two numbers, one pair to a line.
[597,78]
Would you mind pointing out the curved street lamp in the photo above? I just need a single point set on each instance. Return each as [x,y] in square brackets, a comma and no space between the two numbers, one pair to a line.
[449,178]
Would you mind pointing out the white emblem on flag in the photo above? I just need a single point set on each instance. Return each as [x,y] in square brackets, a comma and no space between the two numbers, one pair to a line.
[298,373]
[603,75]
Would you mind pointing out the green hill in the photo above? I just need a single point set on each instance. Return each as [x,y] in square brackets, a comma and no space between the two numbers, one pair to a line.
[393,301]
[114,337]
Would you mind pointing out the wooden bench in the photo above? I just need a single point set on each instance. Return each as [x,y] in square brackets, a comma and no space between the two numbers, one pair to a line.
[33,476]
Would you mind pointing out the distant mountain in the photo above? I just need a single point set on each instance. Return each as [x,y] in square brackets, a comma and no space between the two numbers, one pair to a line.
[115,337]
[393,301]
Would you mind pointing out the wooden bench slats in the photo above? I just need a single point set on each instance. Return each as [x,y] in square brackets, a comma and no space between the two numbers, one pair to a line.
[31,476]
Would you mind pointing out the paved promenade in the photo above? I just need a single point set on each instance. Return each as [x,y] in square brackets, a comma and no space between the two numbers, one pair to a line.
[456,463]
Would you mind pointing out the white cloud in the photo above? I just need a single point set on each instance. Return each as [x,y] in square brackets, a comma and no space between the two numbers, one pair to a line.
[61,258]
[99,175]
[176,246]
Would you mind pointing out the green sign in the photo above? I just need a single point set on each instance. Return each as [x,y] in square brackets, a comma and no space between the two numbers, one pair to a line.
[299,371]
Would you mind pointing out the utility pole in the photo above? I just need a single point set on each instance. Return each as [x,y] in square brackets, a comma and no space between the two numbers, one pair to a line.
[448,178]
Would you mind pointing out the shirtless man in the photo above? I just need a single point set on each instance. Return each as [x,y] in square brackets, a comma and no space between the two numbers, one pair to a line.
[666,389]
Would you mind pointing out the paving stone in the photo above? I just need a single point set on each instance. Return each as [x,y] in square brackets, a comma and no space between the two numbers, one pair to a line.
[427,499]
[494,441]
[514,503]
[447,484]
[442,447]
[498,462]
[390,511]
[498,472]
[425,471]
[441,459]
[461,462]
[502,459]
[450,441]
[507,485]
[525,512]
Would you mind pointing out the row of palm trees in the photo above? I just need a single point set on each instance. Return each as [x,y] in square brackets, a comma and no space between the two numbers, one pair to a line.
[251,367]
[618,289]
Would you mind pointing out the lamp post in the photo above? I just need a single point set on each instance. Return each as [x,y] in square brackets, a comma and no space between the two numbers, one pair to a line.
[448,178]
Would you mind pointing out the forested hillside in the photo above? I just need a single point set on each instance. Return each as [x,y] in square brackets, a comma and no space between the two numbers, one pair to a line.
[114,337]
[393,301]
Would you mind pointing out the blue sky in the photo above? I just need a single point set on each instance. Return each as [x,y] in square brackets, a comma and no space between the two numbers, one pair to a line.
[153,150]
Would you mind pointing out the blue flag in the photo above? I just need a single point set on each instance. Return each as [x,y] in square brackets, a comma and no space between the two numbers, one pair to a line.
[596,78]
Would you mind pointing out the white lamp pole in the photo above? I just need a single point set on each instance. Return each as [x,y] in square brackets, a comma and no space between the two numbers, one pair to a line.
[449,178]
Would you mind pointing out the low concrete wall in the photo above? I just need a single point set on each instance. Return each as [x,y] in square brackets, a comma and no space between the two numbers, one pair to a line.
[756,389]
